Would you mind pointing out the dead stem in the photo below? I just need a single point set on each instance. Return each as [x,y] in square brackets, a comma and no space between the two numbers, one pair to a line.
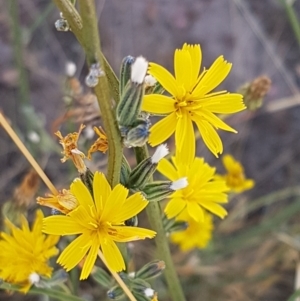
[27,154]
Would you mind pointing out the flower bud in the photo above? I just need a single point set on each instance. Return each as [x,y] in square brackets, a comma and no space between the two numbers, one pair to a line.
[129,106]
[138,135]
[132,222]
[255,92]
[115,293]
[101,276]
[125,171]
[141,174]
[172,225]
[87,178]
[159,190]
[125,73]
[151,270]
[58,277]
[139,285]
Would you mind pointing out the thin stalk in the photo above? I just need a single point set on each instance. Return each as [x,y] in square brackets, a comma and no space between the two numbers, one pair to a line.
[27,154]
[290,11]
[17,43]
[117,278]
[154,215]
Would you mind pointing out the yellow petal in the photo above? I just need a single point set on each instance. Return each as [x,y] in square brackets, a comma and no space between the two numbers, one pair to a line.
[167,169]
[61,225]
[181,129]
[164,77]
[38,223]
[75,252]
[209,136]
[82,194]
[213,77]
[186,153]
[203,171]
[195,211]
[229,163]
[196,58]
[215,121]
[126,234]
[89,261]
[222,104]
[162,130]
[214,208]
[174,207]
[158,104]
[115,200]
[83,218]
[131,207]
[112,255]
[183,68]
[101,190]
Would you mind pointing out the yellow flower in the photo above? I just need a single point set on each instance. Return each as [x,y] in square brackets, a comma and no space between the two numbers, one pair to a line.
[70,150]
[24,253]
[203,192]
[99,219]
[64,202]
[235,177]
[197,235]
[101,144]
[192,100]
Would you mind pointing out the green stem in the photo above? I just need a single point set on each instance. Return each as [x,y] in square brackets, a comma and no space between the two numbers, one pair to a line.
[75,22]
[154,215]
[92,48]
[290,11]
[18,45]
[84,27]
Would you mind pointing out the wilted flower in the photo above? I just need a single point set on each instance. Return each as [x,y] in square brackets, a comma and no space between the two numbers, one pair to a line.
[70,150]
[101,144]
[64,201]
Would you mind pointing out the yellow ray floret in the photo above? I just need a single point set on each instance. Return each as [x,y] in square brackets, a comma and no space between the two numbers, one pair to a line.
[99,221]
[25,252]
[191,101]
[204,192]
[235,177]
[196,235]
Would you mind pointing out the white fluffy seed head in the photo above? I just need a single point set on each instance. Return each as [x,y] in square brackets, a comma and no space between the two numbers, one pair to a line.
[70,69]
[34,137]
[149,80]
[179,184]
[149,292]
[139,69]
[161,151]
[131,275]
[34,278]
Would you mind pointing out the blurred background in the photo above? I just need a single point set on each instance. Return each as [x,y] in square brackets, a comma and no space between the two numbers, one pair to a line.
[255,251]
